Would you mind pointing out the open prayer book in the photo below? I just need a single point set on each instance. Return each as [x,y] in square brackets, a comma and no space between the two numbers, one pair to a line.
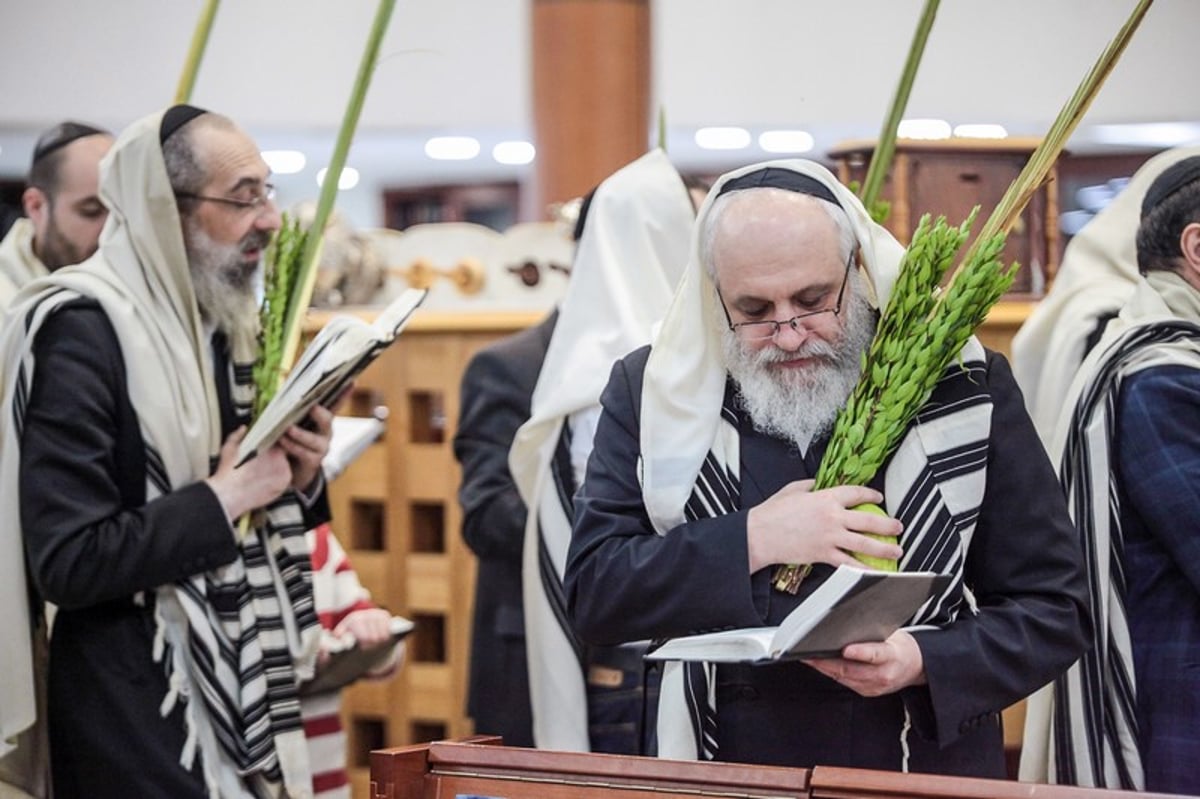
[345,347]
[348,661]
[852,606]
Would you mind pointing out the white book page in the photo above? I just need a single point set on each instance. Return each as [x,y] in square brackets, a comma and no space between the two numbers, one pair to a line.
[726,646]
[342,347]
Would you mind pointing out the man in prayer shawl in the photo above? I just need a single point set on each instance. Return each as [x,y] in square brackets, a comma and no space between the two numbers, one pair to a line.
[629,259]
[699,485]
[1127,715]
[62,204]
[1097,276]
[178,642]
[495,397]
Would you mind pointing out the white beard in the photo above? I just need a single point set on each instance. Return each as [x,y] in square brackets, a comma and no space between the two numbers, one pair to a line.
[800,405]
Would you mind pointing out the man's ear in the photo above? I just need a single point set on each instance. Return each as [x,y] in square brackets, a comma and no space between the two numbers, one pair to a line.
[37,206]
[1189,247]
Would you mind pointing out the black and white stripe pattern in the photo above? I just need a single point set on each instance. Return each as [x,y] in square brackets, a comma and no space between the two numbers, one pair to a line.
[563,479]
[229,637]
[934,484]
[1094,729]
[555,654]
[242,623]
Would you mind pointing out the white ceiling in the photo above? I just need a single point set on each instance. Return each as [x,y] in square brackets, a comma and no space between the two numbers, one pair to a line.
[283,69]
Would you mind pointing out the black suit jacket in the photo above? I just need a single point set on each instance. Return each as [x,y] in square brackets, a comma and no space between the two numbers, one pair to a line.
[624,582]
[495,401]
[92,543]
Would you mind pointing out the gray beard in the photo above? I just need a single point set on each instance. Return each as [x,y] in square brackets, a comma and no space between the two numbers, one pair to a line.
[800,405]
[225,288]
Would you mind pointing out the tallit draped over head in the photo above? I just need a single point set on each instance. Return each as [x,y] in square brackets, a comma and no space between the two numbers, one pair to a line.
[684,382]
[142,230]
[140,277]
[1097,276]
[627,264]
[629,260]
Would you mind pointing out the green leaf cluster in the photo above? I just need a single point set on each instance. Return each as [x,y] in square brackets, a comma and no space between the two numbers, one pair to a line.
[281,270]
[922,330]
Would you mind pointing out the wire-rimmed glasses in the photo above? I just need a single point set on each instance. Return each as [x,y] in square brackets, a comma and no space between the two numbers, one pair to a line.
[765,329]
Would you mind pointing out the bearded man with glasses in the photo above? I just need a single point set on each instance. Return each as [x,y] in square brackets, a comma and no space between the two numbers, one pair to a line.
[179,643]
[700,484]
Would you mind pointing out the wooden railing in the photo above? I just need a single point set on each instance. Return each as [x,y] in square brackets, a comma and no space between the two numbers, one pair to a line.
[482,768]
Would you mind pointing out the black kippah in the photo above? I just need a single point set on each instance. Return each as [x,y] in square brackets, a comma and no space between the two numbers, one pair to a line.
[772,177]
[61,135]
[176,117]
[1173,178]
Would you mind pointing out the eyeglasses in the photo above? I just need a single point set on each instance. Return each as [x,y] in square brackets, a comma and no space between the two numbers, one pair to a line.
[256,202]
[769,328]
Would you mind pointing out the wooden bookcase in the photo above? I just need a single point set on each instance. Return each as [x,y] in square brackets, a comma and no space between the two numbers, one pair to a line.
[396,512]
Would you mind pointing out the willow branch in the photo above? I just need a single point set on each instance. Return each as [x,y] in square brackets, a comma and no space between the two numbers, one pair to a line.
[329,188]
[187,80]
[1037,169]
[881,161]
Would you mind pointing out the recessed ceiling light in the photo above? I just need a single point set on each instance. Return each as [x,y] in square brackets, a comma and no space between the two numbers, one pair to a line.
[347,180]
[513,152]
[980,131]
[1148,134]
[723,138]
[924,129]
[284,162]
[785,141]
[452,148]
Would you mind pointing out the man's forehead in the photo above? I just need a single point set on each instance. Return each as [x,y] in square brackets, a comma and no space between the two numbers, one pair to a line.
[80,170]
[229,157]
[776,213]
[88,150]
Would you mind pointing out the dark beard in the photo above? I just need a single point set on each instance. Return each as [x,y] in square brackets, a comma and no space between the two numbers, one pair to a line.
[54,250]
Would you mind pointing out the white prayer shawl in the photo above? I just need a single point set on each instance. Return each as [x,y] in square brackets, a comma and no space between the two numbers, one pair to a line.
[629,259]
[690,453]
[1082,729]
[18,264]
[1097,276]
[141,280]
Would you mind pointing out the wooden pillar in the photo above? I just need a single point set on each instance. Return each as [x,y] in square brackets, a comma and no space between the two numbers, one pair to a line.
[591,90]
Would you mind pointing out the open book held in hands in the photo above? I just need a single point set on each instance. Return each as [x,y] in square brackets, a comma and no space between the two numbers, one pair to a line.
[348,661]
[852,606]
[338,354]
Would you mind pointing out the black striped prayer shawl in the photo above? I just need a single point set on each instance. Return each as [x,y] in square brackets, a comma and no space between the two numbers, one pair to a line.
[934,484]
[557,670]
[230,637]
[550,524]
[1094,730]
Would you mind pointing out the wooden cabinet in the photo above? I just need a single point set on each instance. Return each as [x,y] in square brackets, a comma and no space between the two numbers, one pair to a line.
[396,512]
[951,177]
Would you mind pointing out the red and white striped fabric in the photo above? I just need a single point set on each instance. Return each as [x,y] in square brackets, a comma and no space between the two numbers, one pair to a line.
[336,594]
